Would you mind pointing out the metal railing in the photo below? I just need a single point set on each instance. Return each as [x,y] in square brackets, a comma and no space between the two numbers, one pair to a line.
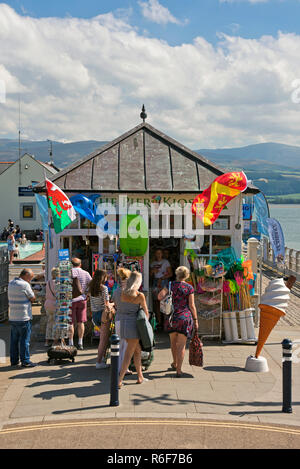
[291,265]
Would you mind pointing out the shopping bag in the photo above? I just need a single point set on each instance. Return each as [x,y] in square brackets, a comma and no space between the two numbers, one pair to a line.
[196,351]
[145,331]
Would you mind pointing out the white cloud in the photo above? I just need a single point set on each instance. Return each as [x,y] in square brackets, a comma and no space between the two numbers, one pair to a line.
[154,11]
[82,79]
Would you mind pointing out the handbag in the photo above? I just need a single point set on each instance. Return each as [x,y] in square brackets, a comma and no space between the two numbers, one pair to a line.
[196,351]
[145,331]
[166,304]
[76,288]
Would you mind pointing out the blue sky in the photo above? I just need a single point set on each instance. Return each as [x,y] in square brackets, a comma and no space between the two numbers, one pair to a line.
[211,73]
[198,17]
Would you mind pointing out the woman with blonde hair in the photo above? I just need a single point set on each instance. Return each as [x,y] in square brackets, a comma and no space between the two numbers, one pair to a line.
[184,318]
[123,275]
[131,301]
[99,298]
[50,307]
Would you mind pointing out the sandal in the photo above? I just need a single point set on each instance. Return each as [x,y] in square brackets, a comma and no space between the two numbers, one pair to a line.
[173,366]
[141,382]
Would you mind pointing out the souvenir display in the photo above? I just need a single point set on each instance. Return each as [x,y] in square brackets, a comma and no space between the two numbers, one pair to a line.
[237,311]
[63,287]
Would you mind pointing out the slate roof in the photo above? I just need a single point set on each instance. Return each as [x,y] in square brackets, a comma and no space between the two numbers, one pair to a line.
[141,160]
[4,165]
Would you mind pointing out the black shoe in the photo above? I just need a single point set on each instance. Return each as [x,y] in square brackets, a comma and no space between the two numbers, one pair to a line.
[80,347]
[29,365]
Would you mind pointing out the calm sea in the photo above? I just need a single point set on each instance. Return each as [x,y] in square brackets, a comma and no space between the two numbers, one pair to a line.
[289,218]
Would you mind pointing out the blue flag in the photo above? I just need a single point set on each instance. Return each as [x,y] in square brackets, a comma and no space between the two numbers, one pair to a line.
[276,238]
[262,213]
[42,204]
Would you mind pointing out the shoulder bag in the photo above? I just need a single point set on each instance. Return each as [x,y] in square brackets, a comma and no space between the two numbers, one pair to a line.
[145,331]
[166,304]
[76,288]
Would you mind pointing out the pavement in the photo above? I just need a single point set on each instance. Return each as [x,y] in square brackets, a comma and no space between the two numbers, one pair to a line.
[221,405]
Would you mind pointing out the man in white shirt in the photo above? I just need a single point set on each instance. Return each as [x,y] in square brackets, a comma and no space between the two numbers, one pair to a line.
[20,298]
[161,272]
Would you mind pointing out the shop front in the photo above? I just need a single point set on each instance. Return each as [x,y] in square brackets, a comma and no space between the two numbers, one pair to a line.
[149,171]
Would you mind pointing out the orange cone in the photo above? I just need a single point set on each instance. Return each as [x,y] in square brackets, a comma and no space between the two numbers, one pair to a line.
[269,317]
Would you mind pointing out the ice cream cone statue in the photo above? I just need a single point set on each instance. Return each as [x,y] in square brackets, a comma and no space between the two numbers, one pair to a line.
[272,307]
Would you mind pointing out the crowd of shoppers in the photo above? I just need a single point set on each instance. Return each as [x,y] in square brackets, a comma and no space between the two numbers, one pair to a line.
[126,301]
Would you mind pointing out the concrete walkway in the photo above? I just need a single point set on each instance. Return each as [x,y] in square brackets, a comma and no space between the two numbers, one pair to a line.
[221,391]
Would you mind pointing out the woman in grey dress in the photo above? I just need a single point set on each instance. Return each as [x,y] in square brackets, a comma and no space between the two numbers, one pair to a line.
[131,301]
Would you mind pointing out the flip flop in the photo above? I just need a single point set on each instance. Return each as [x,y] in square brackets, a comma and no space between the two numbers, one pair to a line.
[144,380]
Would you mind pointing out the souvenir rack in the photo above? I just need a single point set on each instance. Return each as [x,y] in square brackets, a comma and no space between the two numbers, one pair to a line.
[63,290]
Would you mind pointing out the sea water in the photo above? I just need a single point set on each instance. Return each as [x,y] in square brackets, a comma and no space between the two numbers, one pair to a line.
[289,219]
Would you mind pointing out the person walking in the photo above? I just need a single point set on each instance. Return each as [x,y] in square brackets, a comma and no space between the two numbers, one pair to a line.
[123,275]
[20,298]
[79,304]
[50,307]
[100,304]
[131,301]
[161,273]
[11,245]
[184,319]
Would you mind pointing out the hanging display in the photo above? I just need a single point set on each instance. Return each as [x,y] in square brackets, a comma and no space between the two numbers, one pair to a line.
[63,286]
[134,236]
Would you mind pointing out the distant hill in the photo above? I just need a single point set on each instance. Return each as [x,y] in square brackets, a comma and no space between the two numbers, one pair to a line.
[260,156]
[64,154]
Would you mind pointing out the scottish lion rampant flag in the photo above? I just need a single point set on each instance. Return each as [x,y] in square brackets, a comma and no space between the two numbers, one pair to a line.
[222,190]
[63,212]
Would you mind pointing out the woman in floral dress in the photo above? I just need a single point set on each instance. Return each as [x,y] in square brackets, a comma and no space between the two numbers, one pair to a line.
[184,319]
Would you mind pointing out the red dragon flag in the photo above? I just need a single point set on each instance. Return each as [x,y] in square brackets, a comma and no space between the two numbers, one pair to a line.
[222,190]
[63,212]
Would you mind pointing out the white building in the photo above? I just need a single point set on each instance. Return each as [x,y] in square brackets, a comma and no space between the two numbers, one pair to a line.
[16,195]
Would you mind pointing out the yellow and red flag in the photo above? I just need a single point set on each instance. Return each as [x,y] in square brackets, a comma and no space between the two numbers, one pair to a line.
[222,190]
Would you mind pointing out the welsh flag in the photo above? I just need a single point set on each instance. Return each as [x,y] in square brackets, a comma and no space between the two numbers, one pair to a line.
[63,212]
[222,190]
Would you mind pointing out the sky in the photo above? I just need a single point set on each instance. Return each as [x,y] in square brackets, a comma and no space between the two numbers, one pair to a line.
[211,73]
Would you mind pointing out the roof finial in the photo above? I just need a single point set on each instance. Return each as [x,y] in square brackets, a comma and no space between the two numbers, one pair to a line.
[143,114]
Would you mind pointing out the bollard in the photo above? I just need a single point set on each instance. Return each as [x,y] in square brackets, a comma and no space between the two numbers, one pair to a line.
[114,370]
[287,346]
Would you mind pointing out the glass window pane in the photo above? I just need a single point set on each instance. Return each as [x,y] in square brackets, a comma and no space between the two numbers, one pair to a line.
[219,243]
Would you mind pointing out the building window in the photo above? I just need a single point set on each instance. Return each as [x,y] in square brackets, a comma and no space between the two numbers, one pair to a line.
[27,211]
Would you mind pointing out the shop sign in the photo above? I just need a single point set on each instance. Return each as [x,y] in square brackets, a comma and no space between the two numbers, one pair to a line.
[247,215]
[26,192]
[221,224]
[63,254]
